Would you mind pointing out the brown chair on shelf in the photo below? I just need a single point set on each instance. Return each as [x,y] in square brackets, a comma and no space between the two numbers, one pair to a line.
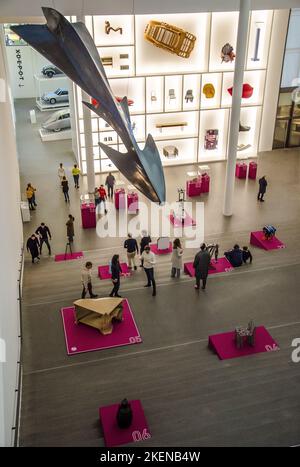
[171,94]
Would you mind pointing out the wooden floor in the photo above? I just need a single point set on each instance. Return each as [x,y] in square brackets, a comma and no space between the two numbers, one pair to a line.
[190,397]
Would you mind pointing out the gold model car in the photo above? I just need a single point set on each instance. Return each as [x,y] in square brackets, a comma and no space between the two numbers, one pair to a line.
[171,38]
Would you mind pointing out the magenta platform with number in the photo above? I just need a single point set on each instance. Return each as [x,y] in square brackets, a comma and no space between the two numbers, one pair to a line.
[193,187]
[257,239]
[188,221]
[252,170]
[156,251]
[132,202]
[241,170]
[88,215]
[81,338]
[115,436]
[68,256]
[222,265]
[120,198]
[103,271]
[224,344]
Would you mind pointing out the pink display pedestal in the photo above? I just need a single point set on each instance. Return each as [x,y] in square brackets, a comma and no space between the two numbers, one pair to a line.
[103,271]
[205,181]
[132,203]
[156,251]
[193,188]
[257,239]
[222,265]
[224,344]
[82,338]
[241,170]
[88,215]
[68,256]
[188,221]
[115,436]
[120,198]
[252,170]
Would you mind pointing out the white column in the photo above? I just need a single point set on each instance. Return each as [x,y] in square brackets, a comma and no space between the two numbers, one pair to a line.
[236,105]
[88,138]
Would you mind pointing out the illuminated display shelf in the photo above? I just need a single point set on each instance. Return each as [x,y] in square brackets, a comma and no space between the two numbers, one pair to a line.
[167,90]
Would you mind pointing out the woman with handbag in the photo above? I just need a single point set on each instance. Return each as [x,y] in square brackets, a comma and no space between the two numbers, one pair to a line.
[176,258]
[115,276]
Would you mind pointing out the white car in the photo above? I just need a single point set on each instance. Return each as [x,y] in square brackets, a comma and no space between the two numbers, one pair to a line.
[58,121]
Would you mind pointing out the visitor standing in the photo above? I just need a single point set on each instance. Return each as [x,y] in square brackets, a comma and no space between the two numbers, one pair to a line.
[132,248]
[145,240]
[29,196]
[76,173]
[70,228]
[97,196]
[201,266]
[176,258]
[86,279]
[61,172]
[102,197]
[65,189]
[43,231]
[32,245]
[262,188]
[110,183]
[149,261]
[115,276]
[31,189]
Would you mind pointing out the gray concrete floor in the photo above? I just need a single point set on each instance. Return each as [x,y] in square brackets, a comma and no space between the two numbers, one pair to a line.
[190,397]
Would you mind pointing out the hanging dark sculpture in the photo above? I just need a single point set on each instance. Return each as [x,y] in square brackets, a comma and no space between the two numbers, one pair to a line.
[70,47]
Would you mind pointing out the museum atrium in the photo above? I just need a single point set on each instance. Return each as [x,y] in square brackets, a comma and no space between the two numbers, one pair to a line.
[150,207]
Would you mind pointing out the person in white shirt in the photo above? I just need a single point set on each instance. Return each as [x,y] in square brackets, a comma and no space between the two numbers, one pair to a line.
[61,173]
[86,279]
[148,260]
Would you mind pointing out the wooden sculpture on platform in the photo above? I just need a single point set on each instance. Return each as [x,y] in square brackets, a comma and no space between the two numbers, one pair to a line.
[99,313]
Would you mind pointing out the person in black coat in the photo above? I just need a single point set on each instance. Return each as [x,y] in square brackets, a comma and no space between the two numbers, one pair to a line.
[145,240]
[247,255]
[201,266]
[32,245]
[235,256]
[115,276]
[43,231]
[65,189]
[262,188]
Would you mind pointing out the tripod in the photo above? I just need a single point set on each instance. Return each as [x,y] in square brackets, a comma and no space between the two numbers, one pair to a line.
[68,244]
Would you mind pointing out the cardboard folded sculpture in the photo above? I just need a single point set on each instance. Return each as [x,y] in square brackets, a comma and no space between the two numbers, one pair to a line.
[99,313]
[170,38]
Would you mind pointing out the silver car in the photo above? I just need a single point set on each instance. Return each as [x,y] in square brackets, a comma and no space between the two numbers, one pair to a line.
[58,96]
[58,121]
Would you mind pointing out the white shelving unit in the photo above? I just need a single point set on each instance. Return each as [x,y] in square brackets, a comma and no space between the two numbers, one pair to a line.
[159,84]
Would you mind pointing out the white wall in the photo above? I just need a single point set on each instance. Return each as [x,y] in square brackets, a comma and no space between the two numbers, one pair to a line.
[11,240]
[291,68]
[13,9]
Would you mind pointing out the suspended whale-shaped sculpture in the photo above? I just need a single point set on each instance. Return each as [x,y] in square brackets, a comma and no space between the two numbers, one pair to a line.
[70,47]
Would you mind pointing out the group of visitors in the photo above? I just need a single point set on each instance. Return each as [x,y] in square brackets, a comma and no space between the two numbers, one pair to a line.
[100,193]
[237,256]
[35,242]
[64,183]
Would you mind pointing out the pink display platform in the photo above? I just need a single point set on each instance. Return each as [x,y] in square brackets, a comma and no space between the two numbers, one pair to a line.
[68,256]
[133,203]
[103,271]
[256,239]
[241,170]
[222,265]
[88,215]
[252,170]
[81,338]
[188,221]
[156,251]
[115,436]
[224,344]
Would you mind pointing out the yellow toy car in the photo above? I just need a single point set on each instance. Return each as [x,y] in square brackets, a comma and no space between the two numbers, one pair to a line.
[170,38]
